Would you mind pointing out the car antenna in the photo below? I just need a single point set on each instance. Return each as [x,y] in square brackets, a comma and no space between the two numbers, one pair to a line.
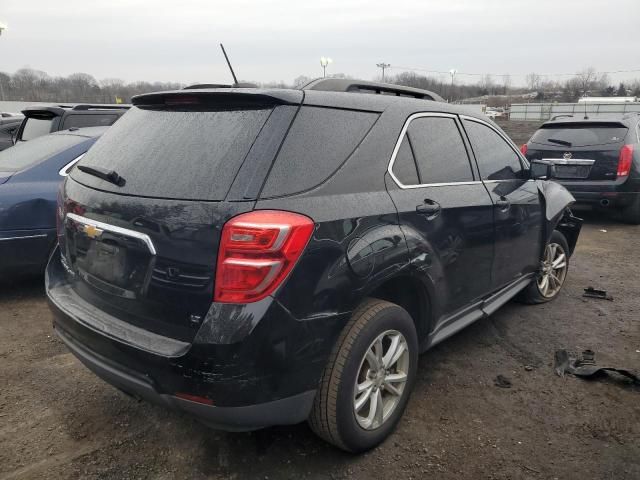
[235,80]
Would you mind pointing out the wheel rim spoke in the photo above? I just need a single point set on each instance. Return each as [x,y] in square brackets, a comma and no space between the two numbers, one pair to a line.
[364,398]
[559,261]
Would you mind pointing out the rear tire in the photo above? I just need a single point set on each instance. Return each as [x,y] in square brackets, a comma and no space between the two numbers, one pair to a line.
[554,268]
[631,213]
[358,378]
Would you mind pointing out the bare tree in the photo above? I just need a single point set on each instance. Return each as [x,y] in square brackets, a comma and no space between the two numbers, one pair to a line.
[533,81]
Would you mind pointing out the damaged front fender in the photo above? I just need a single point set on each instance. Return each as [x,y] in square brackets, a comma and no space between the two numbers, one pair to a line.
[558,216]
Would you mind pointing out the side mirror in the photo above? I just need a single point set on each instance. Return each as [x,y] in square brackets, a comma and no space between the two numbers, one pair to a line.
[542,170]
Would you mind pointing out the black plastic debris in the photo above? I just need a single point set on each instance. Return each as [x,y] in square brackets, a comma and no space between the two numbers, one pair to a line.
[502,382]
[585,366]
[595,293]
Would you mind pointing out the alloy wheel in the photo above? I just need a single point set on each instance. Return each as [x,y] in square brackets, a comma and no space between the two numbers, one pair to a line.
[381,379]
[553,270]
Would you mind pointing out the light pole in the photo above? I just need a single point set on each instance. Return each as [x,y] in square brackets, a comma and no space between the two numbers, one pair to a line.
[324,61]
[3,27]
[452,72]
[383,66]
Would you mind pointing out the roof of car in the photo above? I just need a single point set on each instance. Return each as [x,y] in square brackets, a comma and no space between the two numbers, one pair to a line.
[624,118]
[88,132]
[355,99]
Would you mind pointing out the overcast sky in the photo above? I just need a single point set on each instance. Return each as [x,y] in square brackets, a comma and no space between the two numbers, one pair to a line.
[281,39]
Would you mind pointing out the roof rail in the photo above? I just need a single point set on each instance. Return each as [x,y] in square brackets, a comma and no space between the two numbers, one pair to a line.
[555,117]
[363,86]
[200,86]
[98,106]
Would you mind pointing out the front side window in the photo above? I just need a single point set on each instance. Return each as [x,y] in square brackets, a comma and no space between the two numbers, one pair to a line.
[438,151]
[496,159]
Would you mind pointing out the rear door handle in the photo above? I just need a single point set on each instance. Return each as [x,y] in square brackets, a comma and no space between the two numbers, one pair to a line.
[429,207]
[503,204]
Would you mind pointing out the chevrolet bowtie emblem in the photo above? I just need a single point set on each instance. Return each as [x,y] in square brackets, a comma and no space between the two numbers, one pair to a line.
[91,231]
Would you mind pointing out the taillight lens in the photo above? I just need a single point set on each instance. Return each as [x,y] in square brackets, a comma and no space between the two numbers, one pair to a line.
[257,251]
[60,212]
[624,161]
[524,148]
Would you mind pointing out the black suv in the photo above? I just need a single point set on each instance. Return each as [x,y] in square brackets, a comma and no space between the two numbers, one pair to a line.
[597,159]
[44,119]
[264,257]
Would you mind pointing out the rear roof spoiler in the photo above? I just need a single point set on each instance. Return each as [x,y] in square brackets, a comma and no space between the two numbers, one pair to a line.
[219,97]
[57,110]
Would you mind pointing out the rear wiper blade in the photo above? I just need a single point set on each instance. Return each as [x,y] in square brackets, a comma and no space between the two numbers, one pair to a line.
[560,142]
[108,175]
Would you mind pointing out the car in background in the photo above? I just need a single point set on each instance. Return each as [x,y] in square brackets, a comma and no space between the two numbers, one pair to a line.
[597,159]
[30,174]
[44,119]
[8,130]
[262,257]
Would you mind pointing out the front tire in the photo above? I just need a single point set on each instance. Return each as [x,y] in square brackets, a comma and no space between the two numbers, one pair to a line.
[554,267]
[366,384]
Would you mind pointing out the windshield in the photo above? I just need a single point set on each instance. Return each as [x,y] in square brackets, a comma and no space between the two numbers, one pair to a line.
[191,155]
[580,134]
[24,155]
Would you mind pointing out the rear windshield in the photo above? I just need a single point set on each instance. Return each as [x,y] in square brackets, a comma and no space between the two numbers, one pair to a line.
[580,134]
[190,155]
[24,155]
[36,127]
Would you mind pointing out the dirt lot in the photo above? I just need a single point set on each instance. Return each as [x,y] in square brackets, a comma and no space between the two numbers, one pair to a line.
[57,420]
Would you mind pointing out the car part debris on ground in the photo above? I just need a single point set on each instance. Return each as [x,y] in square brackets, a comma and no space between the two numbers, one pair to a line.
[595,293]
[585,366]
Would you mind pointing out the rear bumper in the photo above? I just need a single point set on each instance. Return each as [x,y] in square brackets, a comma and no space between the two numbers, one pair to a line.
[290,410]
[255,374]
[605,194]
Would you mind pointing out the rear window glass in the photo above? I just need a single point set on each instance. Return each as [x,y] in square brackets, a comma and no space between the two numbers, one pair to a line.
[36,127]
[191,155]
[79,120]
[580,135]
[319,142]
[24,155]
[404,165]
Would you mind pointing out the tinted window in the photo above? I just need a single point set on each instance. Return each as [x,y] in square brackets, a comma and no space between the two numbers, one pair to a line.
[404,165]
[496,159]
[319,142]
[439,150]
[36,127]
[175,154]
[580,135]
[24,155]
[78,120]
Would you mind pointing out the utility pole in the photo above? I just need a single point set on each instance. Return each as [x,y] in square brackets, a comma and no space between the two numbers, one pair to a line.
[452,72]
[3,27]
[383,66]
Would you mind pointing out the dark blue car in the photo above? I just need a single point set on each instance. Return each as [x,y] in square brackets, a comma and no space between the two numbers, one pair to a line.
[30,174]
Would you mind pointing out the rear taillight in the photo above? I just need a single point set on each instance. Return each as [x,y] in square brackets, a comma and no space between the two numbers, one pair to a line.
[624,160]
[524,149]
[60,212]
[257,251]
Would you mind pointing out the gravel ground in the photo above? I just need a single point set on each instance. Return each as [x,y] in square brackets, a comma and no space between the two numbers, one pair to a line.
[57,420]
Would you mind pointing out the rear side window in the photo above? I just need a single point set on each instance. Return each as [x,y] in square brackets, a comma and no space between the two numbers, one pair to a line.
[496,159]
[79,120]
[404,165]
[36,127]
[191,155]
[24,155]
[319,142]
[439,151]
[580,134]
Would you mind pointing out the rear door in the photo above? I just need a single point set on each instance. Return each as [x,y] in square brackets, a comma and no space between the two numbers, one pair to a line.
[517,209]
[582,151]
[445,211]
